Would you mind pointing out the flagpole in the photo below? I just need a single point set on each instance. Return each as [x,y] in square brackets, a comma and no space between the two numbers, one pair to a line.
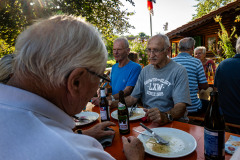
[151,24]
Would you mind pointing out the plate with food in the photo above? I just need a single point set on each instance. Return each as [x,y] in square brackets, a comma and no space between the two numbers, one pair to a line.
[180,143]
[138,113]
[84,118]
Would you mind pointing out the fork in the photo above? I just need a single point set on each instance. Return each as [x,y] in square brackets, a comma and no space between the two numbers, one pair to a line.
[81,119]
[133,108]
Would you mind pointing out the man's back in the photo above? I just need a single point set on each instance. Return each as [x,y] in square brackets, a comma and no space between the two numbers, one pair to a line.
[227,81]
[195,75]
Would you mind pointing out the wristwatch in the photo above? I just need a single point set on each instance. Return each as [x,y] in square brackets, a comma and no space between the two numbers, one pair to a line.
[169,117]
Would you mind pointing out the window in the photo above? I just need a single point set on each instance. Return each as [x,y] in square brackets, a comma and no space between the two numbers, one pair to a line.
[211,43]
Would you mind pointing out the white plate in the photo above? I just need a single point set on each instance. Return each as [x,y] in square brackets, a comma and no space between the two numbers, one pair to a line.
[91,116]
[139,111]
[180,143]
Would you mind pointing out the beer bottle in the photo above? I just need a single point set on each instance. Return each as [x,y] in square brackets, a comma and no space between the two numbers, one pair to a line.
[214,134]
[104,107]
[123,116]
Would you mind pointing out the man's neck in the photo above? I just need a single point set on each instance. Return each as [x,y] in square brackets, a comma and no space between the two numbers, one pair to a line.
[189,52]
[165,62]
[123,62]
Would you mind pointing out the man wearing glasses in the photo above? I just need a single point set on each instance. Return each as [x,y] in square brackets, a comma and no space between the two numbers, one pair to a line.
[162,85]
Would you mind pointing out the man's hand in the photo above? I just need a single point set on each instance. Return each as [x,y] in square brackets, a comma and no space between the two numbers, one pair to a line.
[98,132]
[133,148]
[96,101]
[155,116]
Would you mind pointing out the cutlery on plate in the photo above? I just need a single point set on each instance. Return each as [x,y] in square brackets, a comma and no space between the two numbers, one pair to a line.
[133,108]
[143,133]
[81,119]
[158,139]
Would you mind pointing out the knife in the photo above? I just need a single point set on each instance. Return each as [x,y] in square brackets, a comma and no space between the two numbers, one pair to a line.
[159,139]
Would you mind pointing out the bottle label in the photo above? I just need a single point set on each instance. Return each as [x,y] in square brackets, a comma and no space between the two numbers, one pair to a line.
[121,106]
[103,113]
[123,122]
[212,140]
[103,93]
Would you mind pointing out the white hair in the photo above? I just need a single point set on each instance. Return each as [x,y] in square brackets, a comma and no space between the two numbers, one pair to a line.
[124,39]
[6,68]
[164,37]
[238,45]
[186,44]
[50,49]
[200,48]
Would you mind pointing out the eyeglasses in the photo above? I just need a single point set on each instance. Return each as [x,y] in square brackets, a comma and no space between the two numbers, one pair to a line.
[98,75]
[154,51]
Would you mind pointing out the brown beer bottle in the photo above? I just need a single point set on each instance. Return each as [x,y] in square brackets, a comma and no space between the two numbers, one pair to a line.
[104,107]
[214,130]
[123,116]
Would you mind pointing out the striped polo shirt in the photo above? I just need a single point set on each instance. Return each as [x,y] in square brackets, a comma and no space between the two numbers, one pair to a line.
[196,75]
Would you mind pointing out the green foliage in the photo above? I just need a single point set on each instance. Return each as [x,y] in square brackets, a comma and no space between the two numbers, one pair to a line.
[5,48]
[138,45]
[142,34]
[110,63]
[106,15]
[12,21]
[225,39]
[206,6]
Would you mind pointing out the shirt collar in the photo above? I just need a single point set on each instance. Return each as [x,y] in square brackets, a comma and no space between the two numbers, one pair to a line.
[22,99]
[184,54]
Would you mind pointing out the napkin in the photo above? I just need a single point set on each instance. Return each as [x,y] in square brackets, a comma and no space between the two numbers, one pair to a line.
[107,140]
[232,144]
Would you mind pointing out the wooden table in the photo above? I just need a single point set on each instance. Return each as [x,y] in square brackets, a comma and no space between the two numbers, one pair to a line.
[196,131]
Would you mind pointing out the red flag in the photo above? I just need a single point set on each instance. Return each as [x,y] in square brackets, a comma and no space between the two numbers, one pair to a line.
[150,6]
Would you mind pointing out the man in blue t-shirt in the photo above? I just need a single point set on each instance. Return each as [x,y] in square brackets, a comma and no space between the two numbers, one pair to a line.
[124,73]
[196,76]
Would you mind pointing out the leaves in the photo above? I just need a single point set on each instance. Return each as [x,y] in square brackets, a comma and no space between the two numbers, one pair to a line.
[206,6]
[225,39]
[139,45]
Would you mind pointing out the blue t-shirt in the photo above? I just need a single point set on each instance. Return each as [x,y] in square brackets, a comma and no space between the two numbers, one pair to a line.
[196,75]
[121,77]
[227,81]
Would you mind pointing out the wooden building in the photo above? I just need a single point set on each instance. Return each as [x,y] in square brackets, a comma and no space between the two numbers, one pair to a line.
[204,30]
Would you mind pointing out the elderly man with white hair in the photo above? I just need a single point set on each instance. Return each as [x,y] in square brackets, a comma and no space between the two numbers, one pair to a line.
[227,81]
[56,72]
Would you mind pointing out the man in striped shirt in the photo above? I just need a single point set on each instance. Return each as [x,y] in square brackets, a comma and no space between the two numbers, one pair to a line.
[196,77]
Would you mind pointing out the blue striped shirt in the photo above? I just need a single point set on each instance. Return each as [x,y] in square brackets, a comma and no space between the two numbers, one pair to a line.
[196,75]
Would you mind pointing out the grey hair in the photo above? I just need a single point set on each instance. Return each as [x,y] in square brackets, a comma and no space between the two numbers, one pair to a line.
[238,45]
[50,49]
[200,48]
[6,68]
[124,39]
[186,44]
[164,37]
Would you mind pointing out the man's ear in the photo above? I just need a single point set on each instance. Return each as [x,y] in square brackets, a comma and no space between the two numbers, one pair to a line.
[76,80]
